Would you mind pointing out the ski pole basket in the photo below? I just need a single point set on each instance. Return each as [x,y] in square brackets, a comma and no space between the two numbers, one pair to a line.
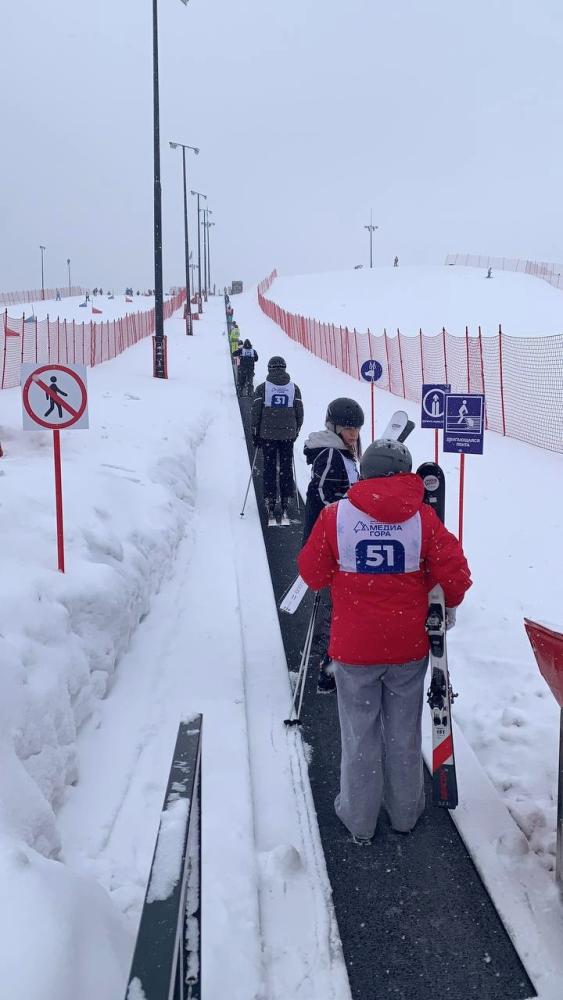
[167,958]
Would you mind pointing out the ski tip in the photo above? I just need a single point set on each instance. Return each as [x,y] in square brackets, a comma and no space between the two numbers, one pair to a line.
[292,722]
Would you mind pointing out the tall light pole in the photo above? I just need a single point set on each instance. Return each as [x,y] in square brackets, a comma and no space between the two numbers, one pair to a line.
[205,254]
[43,249]
[189,321]
[199,195]
[209,224]
[371,229]
[159,358]
[68,265]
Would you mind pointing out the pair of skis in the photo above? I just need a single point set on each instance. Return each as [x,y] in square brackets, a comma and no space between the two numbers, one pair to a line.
[440,695]
[398,428]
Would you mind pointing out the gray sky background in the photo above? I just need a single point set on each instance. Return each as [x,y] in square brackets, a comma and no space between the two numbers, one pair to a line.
[445,118]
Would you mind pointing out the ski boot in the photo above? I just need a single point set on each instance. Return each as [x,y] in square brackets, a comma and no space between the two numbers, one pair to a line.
[271,512]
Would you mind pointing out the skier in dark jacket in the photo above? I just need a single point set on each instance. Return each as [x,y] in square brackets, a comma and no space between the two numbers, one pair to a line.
[276,419]
[333,454]
[247,358]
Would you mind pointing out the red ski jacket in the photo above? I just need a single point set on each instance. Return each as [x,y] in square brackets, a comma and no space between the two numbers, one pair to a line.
[380,617]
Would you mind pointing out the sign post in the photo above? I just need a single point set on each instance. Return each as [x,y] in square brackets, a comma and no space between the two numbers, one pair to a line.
[371,371]
[433,408]
[62,388]
[464,429]
[548,650]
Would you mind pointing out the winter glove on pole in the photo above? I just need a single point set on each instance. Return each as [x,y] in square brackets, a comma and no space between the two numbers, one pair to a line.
[450,618]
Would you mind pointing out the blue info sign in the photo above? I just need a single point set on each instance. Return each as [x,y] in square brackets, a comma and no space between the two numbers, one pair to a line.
[371,370]
[433,405]
[464,423]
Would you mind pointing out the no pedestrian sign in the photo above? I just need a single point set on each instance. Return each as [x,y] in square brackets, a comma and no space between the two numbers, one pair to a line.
[464,423]
[54,397]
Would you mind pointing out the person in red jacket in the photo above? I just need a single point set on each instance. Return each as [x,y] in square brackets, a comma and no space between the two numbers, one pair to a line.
[380,550]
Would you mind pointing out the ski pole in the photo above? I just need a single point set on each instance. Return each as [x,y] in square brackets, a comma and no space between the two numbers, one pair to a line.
[249,481]
[299,689]
[296,490]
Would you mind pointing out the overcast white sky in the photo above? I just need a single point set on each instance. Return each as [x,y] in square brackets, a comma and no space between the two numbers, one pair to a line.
[445,118]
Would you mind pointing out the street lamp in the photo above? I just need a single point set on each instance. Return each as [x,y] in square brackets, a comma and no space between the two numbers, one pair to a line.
[42,272]
[68,265]
[159,359]
[371,229]
[199,195]
[189,322]
[209,224]
[206,213]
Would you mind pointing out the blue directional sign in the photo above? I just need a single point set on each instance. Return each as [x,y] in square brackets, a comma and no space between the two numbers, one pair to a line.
[371,370]
[464,424]
[433,405]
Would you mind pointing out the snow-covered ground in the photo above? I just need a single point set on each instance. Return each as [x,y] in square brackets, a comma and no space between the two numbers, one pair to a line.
[427,298]
[166,610]
[70,308]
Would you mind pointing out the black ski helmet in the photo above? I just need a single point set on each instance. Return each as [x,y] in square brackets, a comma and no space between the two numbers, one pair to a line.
[344,412]
[385,457]
[247,344]
[276,362]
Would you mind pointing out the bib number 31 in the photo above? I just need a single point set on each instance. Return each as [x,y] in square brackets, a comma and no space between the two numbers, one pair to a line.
[380,557]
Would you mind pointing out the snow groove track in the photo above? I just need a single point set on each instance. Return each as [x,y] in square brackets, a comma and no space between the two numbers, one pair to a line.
[414,917]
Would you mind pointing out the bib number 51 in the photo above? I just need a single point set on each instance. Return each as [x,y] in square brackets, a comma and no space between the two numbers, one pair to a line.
[380,557]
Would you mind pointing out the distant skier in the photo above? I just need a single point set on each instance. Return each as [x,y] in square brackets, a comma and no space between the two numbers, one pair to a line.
[379,550]
[334,454]
[276,419]
[247,358]
[490,273]
[234,337]
[58,296]
[396,262]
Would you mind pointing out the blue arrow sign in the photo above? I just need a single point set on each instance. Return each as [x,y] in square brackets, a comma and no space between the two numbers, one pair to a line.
[464,423]
[371,370]
[433,405]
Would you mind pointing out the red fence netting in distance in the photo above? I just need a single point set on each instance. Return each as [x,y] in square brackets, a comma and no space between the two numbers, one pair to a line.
[521,377]
[67,341]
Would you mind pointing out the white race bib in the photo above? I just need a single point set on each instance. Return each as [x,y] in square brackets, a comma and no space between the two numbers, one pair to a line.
[369,546]
[279,395]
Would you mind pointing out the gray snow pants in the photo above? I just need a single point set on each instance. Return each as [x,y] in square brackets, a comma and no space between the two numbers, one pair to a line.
[380,711]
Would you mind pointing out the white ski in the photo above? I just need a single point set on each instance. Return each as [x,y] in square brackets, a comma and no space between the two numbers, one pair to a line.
[396,425]
[293,596]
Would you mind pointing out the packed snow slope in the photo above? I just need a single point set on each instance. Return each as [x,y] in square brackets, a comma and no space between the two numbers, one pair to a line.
[71,308]
[427,298]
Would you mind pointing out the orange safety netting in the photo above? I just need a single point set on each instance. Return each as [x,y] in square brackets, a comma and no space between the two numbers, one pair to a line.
[38,294]
[68,342]
[521,377]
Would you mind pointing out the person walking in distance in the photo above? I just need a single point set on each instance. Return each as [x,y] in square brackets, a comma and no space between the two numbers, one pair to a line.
[247,358]
[276,419]
[380,550]
[333,454]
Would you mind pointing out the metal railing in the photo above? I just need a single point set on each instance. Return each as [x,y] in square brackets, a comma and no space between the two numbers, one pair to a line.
[167,959]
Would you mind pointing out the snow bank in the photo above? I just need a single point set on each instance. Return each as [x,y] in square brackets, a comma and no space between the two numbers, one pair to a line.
[128,486]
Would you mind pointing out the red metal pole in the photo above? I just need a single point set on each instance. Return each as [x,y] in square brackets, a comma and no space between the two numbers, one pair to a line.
[501,379]
[461,488]
[59,500]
